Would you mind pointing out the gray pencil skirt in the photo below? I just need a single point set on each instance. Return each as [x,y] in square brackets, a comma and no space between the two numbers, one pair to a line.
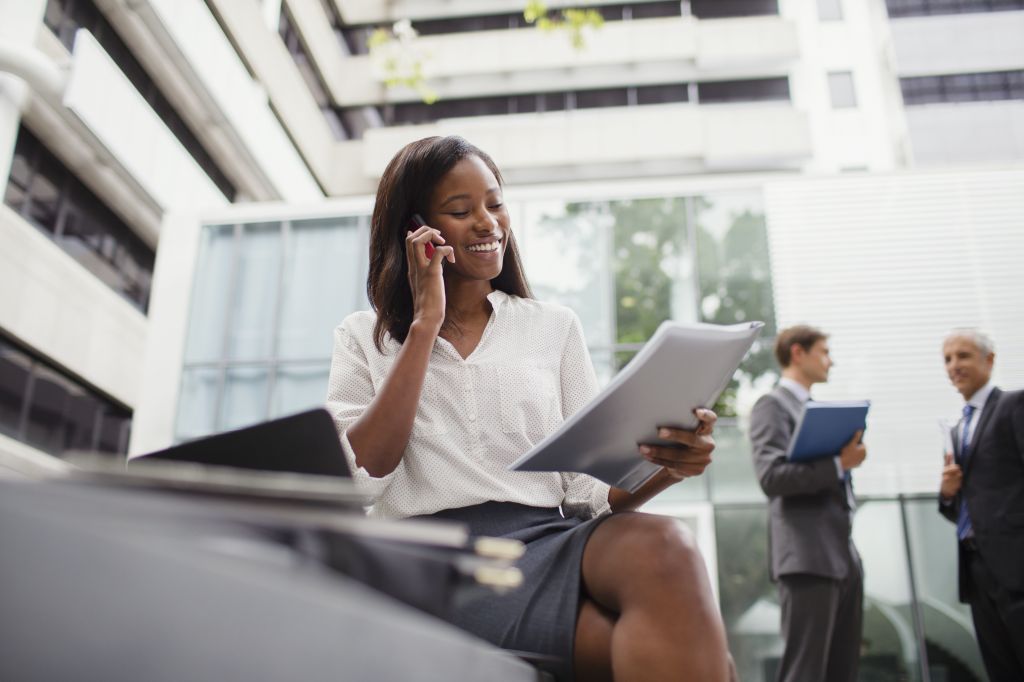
[540,615]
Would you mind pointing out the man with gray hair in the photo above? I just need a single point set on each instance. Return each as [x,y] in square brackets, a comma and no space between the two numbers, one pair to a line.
[982,492]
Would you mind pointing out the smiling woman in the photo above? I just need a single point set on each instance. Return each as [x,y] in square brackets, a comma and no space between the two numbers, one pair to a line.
[456,373]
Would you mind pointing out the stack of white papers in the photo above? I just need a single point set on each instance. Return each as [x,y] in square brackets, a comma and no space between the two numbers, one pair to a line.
[682,367]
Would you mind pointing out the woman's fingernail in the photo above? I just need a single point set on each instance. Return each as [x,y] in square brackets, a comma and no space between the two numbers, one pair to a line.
[664,433]
[645,450]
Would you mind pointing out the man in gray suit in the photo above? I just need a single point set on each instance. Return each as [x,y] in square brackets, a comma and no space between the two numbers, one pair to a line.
[811,553]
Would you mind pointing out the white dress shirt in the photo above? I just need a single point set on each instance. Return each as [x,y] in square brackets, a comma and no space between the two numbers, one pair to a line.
[796,388]
[530,371]
[978,401]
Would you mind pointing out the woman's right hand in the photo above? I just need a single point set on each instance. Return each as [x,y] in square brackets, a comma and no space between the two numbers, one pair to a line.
[426,279]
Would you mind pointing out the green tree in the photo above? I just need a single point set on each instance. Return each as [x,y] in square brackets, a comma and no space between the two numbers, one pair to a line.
[571,20]
[652,241]
[736,286]
[400,60]
[649,240]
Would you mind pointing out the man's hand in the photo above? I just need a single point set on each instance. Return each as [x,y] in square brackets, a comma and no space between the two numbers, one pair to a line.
[952,478]
[853,453]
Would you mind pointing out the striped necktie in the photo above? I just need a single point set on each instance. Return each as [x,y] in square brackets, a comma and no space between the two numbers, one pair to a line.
[963,519]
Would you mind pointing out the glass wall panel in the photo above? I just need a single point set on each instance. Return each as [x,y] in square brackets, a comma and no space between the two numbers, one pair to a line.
[197,404]
[19,179]
[47,194]
[565,249]
[44,197]
[604,365]
[732,476]
[953,654]
[299,387]
[210,295]
[51,394]
[14,373]
[747,596]
[915,8]
[82,423]
[267,297]
[244,401]
[735,286]
[324,280]
[653,265]
[718,9]
[691,490]
[88,242]
[256,284]
[42,406]
[889,650]
[114,432]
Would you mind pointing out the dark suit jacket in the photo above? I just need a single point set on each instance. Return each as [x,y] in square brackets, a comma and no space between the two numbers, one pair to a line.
[810,519]
[993,486]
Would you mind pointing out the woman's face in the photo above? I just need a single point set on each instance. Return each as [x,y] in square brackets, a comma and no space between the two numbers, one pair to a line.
[468,209]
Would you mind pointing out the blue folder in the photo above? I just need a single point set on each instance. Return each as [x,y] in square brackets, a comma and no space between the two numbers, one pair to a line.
[825,427]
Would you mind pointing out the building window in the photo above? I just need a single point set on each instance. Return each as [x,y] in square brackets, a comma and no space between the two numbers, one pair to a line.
[662,94]
[653,10]
[354,39]
[830,10]
[64,17]
[608,97]
[626,265]
[721,9]
[265,299]
[755,90]
[917,8]
[416,113]
[491,22]
[48,409]
[267,295]
[963,87]
[45,193]
[841,90]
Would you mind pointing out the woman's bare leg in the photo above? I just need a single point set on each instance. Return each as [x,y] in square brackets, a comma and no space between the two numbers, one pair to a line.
[593,650]
[648,570]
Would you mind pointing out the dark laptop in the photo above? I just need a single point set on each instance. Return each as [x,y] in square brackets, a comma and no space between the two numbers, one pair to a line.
[303,443]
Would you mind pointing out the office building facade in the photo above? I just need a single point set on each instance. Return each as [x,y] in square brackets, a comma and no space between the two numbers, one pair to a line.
[188,188]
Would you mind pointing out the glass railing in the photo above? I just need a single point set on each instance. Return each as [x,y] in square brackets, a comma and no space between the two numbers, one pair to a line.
[915,628]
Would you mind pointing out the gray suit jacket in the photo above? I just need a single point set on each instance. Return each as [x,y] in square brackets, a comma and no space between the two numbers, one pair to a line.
[810,519]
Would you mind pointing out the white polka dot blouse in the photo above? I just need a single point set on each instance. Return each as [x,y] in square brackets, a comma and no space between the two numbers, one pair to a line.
[530,371]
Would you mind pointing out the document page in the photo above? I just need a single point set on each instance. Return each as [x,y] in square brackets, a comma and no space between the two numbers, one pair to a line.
[682,366]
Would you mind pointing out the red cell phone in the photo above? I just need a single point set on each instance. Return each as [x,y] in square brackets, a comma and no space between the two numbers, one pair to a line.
[415,223]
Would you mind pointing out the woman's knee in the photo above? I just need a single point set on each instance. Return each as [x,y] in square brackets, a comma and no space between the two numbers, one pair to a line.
[662,546]
[634,554]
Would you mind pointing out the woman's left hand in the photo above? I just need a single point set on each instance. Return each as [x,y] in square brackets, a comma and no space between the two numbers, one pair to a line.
[692,454]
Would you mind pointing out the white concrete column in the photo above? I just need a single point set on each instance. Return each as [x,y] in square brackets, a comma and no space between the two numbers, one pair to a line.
[19,23]
[272,13]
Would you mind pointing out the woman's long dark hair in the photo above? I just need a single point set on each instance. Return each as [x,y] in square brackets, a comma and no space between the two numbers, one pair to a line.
[405,188]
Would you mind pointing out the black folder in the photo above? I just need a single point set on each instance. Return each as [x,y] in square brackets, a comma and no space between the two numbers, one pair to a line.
[303,443]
